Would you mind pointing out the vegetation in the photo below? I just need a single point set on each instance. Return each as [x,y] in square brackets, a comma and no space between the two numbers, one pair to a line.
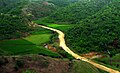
[29,71]
[16,15]
[89,25]
[11,27]
[62,27]
[42,64]
[12,23]
[19,64]
[30,45]
[99,32]
[112,62]
[3,61]
[42,8]
[15,22]
[83,67]
[75,12]
[54,37]
[97,26]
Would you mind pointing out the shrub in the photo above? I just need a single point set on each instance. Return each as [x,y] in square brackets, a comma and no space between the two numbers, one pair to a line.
[3,61]
[29,71]
[19,64]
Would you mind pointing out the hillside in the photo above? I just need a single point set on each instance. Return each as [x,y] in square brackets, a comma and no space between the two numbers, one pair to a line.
[18,14]
[41,64]
[42,8]
[88,30]
[12,23]
[99,32]
[73,13]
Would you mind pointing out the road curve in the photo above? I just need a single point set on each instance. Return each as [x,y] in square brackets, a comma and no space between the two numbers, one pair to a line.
[76,56]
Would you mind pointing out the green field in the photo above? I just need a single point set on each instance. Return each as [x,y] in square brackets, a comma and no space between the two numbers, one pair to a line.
[62,27]
[32,44]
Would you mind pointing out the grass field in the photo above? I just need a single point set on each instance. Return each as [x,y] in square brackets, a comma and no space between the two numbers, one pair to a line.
[32,44]
[62,27]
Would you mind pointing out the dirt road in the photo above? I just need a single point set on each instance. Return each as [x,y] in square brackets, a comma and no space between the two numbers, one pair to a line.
[76,56]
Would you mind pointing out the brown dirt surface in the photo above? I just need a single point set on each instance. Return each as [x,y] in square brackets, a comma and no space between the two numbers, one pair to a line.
[39,64]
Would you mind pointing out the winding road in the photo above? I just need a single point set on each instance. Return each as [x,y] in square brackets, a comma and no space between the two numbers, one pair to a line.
[76,56]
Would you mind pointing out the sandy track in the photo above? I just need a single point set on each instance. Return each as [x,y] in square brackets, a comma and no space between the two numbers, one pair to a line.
[76,56]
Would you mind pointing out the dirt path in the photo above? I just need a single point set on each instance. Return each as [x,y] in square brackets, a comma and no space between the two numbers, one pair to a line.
[76,56]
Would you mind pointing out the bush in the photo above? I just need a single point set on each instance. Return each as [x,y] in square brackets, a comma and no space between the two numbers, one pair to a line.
[45,64]
[66,55]
[3,61]
[19,64]
[29,71]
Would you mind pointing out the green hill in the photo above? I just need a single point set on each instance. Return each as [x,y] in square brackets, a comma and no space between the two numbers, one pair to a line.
[75,12]
[96,28]
[16,15]
[99,32]
[12,23]
[42,8]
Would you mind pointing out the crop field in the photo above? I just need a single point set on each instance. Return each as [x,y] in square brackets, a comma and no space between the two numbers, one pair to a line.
[62,27]
[32,44]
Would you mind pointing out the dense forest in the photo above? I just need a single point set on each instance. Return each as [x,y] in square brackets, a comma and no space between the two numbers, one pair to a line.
[99,32]
[75,12]
[12,26]
[12,23]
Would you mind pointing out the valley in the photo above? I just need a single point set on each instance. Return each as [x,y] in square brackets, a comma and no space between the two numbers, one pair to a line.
[73,32]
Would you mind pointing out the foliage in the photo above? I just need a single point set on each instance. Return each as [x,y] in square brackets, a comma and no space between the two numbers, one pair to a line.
[29,71]
[42,8]
[83,67]
[111,61]
[16,15]
[30,45]
[12,26]
[3,61]
[12,23]
[63,27]
[19,64]
[99,32]
[75,12]
[65,54]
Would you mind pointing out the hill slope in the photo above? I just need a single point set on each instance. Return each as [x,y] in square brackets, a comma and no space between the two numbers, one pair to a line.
[12,23]
[99,32]
[41,8]
[41,64]
[16,15]
[73,13]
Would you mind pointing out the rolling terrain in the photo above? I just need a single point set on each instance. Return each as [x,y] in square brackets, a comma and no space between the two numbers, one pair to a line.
[18,14]
[75,12]
[89,26]
[76,56]
[40,64]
